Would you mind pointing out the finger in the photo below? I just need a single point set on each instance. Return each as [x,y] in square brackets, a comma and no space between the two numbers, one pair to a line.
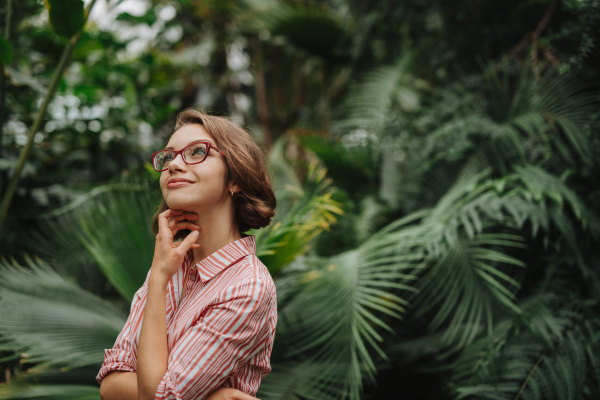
[188,241]
[180,217]
[245,396]
[185,216]
[176,212]
[184,225]
[190,216]
[194,246]
[163,222]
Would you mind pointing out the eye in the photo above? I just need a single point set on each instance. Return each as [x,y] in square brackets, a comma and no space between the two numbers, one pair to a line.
[199,151]
[167,158]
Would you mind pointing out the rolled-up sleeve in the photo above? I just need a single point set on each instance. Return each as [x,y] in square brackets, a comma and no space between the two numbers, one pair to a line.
[233,329]
[123,355]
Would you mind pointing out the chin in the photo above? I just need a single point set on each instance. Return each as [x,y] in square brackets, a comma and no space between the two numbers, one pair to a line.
[180,205]
[177,202]
[187,202]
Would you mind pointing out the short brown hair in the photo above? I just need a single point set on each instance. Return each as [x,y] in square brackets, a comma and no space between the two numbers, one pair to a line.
[255,202]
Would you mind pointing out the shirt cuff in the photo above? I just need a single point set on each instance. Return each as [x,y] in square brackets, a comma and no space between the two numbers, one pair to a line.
[166,389]
[116,360]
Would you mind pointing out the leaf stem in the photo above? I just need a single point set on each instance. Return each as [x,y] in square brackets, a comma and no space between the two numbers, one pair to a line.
[537,364]
[56,78]
[3,83]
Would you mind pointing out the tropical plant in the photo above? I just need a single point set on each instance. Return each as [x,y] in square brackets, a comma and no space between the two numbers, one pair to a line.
[113,226]
[549,352]
[465,256]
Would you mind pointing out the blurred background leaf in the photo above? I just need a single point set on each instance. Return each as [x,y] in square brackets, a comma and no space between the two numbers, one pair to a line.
[6,51]
[435,165]
[66,16]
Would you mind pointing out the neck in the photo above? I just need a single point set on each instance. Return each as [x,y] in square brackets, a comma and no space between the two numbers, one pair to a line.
[217,229]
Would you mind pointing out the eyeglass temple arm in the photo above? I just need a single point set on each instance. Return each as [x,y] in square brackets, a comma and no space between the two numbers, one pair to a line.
[223,154]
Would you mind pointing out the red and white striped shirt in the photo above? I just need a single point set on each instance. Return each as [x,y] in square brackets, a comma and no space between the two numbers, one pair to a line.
[220,335]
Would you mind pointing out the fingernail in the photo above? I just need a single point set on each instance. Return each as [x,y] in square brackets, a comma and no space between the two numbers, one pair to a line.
[195,233]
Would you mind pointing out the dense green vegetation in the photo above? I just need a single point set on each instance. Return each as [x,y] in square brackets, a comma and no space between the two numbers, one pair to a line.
[436,169]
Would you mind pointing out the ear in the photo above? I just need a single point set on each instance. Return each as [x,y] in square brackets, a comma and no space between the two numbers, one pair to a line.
[233,187]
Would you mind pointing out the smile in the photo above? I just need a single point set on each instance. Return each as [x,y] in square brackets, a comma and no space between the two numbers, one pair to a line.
[173,185]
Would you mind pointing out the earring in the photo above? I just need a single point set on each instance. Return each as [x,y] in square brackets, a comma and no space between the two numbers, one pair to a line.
[231,192]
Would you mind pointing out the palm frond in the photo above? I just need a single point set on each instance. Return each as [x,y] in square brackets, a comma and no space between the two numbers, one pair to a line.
[115,229]
[555,110]
[57,243]
[49,392]
[545,354]
[104,234]
[283,175]
[307,27]
[331,313]
[469,271]
[467,275]
[513,120]
[368,103]
[43,375]
[543,185]
[312,212]
[370,218]
[51,320]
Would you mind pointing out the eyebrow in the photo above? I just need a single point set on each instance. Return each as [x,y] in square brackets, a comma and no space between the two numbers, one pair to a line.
[192,142]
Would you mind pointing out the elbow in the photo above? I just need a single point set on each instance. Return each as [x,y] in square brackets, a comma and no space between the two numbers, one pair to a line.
[103,394]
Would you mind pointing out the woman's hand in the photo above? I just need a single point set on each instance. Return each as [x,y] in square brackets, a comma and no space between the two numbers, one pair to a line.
[168,255]
[224,393]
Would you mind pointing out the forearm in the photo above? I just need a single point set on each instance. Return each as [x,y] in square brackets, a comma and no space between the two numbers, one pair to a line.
[119,385]
[152,347]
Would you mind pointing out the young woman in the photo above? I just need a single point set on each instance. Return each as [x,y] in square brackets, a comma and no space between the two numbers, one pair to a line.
[203,324]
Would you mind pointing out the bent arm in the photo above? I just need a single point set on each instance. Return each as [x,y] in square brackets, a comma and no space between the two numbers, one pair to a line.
[119,385]
[153,352]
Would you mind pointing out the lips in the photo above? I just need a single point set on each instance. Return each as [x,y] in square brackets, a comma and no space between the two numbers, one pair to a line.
[178,182]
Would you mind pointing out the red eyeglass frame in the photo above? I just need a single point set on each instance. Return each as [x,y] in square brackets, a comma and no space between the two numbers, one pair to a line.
[209,146]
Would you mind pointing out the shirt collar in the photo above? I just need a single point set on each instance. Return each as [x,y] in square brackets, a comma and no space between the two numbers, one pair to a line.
[224,257]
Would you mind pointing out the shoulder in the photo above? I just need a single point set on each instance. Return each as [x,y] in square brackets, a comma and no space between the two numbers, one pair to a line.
[251,269]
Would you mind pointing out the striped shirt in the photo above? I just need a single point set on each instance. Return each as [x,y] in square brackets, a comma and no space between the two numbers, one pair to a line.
[221,334]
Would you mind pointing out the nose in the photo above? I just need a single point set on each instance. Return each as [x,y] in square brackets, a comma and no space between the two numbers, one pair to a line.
[177,164]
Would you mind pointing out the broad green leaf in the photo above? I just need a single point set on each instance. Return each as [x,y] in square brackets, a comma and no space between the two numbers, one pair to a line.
[66,16]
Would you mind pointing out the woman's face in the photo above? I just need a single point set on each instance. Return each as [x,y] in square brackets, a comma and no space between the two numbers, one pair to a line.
[204,184]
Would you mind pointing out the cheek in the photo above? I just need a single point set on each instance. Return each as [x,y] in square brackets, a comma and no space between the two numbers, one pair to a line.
[216,175]
[163,182]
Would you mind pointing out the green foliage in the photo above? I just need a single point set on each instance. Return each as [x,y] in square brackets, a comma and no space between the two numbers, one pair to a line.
[116,232]
[50,392]
[66,16]
[353,166]
[547,354]
[331,310]
[52,320]
[112,224]
[307,27]
[466,252]
[313,211]
[6,52]
[385,88]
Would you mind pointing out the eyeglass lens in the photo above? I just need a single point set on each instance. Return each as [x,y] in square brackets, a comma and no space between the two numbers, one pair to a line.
[192,154]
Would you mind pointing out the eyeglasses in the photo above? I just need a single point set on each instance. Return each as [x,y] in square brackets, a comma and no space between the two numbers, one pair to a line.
[193,153]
